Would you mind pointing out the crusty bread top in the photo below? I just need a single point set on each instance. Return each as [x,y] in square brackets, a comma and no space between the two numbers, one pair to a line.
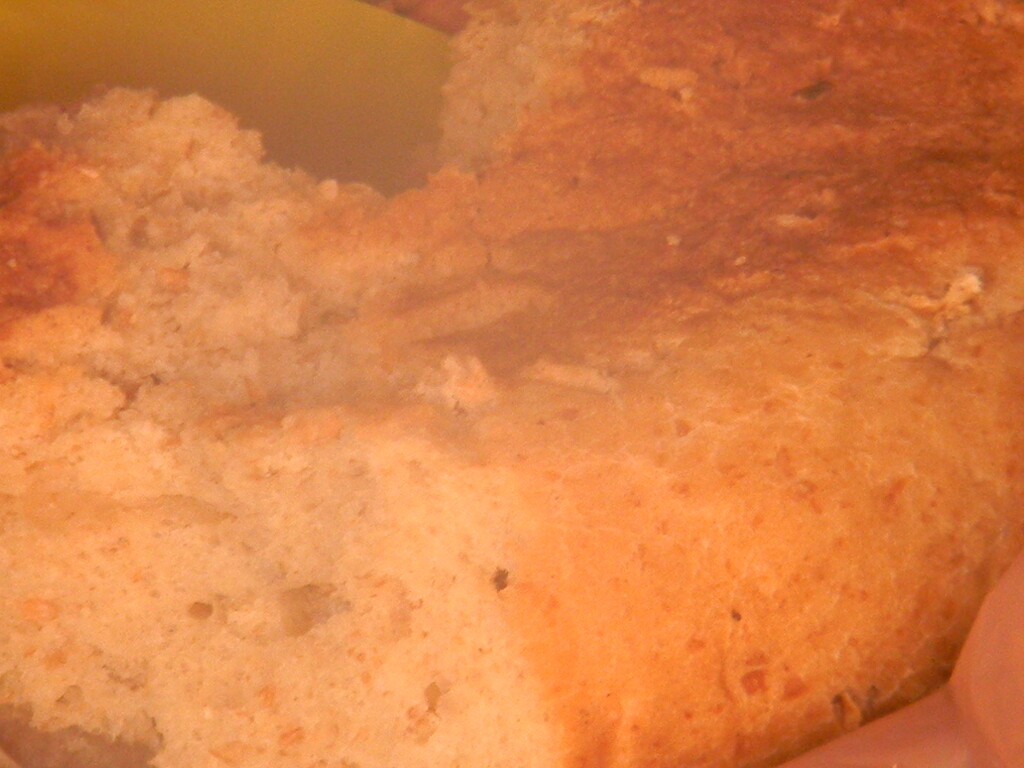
[679,427]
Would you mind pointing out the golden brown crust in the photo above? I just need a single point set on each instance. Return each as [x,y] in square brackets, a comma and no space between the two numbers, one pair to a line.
[795,265]
[47,258]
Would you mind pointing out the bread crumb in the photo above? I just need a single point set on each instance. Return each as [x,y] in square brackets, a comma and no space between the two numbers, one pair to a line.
[571,375]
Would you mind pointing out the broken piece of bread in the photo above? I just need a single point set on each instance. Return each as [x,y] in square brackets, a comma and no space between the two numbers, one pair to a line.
[676,421]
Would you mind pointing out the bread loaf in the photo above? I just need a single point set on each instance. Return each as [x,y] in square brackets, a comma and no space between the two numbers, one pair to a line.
[676,421]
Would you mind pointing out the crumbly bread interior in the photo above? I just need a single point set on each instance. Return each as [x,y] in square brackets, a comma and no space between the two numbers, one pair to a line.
[678,422]
[189,510]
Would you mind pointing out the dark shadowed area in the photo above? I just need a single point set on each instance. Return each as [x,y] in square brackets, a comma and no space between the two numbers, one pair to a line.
[23,746]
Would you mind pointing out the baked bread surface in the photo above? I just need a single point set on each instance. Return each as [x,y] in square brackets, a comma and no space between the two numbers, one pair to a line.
[675,422]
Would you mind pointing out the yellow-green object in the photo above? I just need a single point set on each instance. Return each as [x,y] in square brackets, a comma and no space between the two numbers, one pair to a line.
[336,86]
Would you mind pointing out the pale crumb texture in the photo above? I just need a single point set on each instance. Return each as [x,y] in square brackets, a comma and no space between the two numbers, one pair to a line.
[511,57]
[213,545]
[677,423]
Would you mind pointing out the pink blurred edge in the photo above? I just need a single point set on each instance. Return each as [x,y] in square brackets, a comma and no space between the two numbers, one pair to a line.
[976,721]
